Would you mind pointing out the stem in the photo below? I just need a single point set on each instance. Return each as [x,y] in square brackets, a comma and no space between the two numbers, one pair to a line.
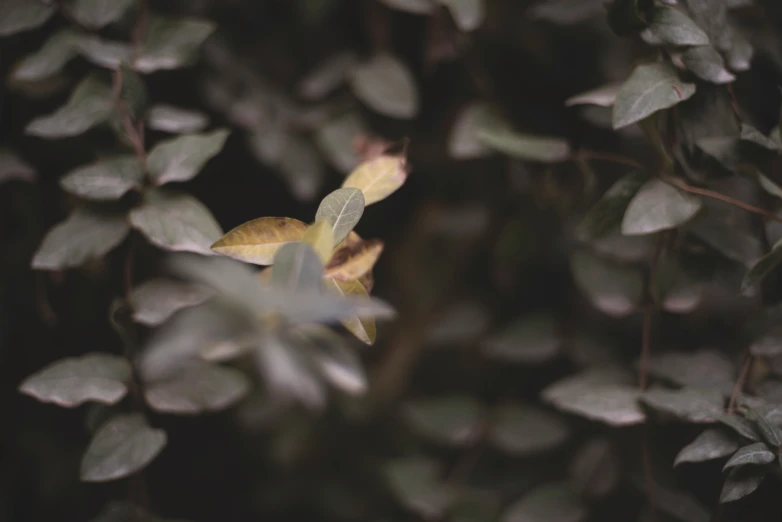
[648,480]
[739,386]
[646,328]
[587,155]
[128,269]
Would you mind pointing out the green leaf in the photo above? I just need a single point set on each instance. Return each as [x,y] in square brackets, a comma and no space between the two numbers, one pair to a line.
[740,54]
[288,373]
[496,133]
[85,235]
[49,59]
[171,43]
[467,14]
[133,94]
[741,426]
[412,6]
[302,168]
[98,13]
[90,104]
[342,209]
[603,96]
[451,420]
[674,288]
[386,86]
[297,267]
[676,503]
[526,430]
[22,15]
[627,17]
[658,206]
[704,369]
[463,143]
[167,118]
[717,227]
[711,444]
[556,502]
[326,77]
[756,454]
[337,362]
[770,433]
[121,447]
[156,300]
[532,340]
[607,213]
[200,388]
[183,157]
[691,405]
[769,345]
[753,135]
[671,26]
[707,64]
[741,482]
[650,88]
[612,288]
[70,382]
[763,267]
[176,222]
[108,179]
[595,468]
[13,167]
[105,53]
[336,140]
[415,484]
[769,186]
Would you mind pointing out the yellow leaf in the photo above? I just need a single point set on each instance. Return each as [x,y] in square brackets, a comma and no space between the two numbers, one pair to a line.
[363,328]
[378,178]
[321,238]
[354,261]
[257,241]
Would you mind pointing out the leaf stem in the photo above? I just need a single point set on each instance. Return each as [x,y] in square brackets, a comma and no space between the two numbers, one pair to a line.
[739,386]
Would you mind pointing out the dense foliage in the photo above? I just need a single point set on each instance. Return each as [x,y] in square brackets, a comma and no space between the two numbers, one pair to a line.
[575,243]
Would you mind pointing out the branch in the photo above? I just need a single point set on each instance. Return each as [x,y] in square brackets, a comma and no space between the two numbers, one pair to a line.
[739,386]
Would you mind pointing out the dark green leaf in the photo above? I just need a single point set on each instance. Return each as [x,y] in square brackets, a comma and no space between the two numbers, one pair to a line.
[451,420]
[612,288]
[49,59]
[595,468]
[725,231]
[770,345]
[549,503]
[156,300]
[763,267]
[336,139]
[711,444]
[741,426]
[133,94]
[22,15]
[526,430]
[70,382]
[468,14]
[338,363]
[704,369]
[671,26]
[707,64]
[326,77]
[302,168]
[650,88]
[105,53]
[167,118]
[200,388]
[607,213]
[108,179]
[183,157]
[677,503]
[690,405]
[532,340]
[756,454]
[13,167]
[387,86]
[675,289]
[741,482]
[752,135]
[342,209]
[463,141]
[121,447]
[415,484]
[496,133]
[288,373]
[98,13]
[658,206]
[170,44]
[770,432]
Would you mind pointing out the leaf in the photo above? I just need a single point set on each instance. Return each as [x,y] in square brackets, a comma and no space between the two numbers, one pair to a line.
[17,16]
[336,140]
[72,381]
[342,209]
[658,206]
[320,237]
[415,484]
[297,267]
[704,369]
[49,59]
[121,447]
[105,180]
[756,454]
[691,405]
[351,263]
[769,432]
[451,420]
[363,328]
[555,502]
[717,228]
[676,503]
[532,339]
[612,288]
[711,444]
[650,88]
[378,178]
[707,64]
[326,77]
[769,345]
[287,373]
[85,235]
[526,430]
[105,53]
[167,118]
[607,213]
[627,17]
[412,6]
[673,27]
[337,362]
[467,14]
[496,133]
[763,267]
[183,157]
[201,388]
[463,143]
[386,86]
[98,13]
[753,135]
[170,44]
[595,468]
[741,426]
[156,300]
[120,511]
[675,289]
[90,104]
[175,222]
[603,96]
[259,240]
[302,168]
[741,482]
[13,167]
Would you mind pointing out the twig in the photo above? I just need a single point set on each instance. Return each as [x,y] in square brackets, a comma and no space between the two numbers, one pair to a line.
[646,328]
[739,386]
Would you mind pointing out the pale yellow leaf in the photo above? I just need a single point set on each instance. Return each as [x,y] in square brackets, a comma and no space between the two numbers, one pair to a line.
[354,261]
[257,241]
[363,328]
[378,178]
[321,238]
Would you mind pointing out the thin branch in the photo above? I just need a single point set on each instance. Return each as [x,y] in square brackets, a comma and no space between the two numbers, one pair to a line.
[646,328]
[739,386]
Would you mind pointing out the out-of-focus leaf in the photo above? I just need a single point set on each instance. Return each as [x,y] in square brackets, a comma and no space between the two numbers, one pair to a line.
[603,96]
[95,377]
[497,134]
[675,289]
[612,288]
[607,213]
[676,503]
[769,345]
[550,503]
[740,482]
[715,225]
[463,141]
[302,168]
[156,300]
[757,454]
[707,64]
[105,53]
[763,267]
[532,339]
[412,6]
[658,206]
[170,44]
[627,17]
[650,88]
[690,405]
[22,15]
[167,118]
[125,512]
[200,388]
[90,104]
[336,140]
[83,236]
[176,222]
[387,86]
[337,362]
[121,447]
[713,443]
[595,468]
[183,157]
[353,262]
[378,178]
[326,77]
[98,13]
[342,209]
[363,328]
[58,50]
[320,237]
[739,56]
[107,179]
[288,373]
[753,135]
[13,167]
[467,14]
[452,420]
[526,430]
[258,241]
[671,26]
[704,369]
[297,267]
[416,485]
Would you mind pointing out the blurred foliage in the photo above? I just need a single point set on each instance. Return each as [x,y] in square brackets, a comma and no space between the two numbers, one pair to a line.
[574,242]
